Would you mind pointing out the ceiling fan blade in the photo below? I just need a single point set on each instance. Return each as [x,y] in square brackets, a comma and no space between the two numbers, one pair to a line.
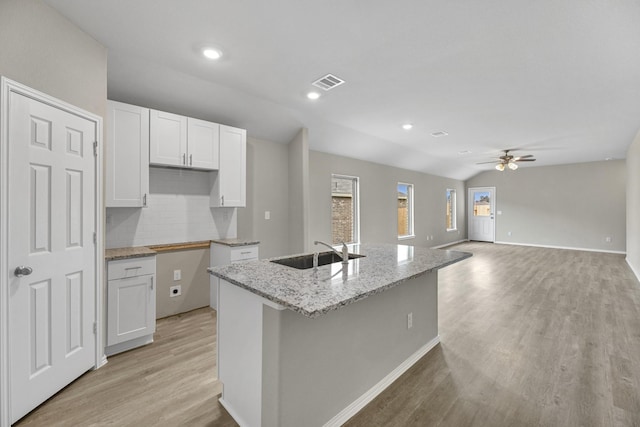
[524,160]
[525,156]
[492,161]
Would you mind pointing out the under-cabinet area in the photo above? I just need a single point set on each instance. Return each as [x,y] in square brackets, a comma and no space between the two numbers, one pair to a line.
[139,137]
[183,281]
[146,283]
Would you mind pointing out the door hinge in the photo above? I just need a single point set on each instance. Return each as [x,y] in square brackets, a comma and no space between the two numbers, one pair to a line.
[95,148]
[95,328]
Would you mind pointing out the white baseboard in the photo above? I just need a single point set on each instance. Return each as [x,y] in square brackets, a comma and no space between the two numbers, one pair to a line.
[635,272]
[348,412]
[103,361]
[449,244]
[571,248]
[128,345]
[233,413]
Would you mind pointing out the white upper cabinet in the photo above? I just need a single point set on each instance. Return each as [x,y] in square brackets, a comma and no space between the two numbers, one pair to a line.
[127,152]
[229,184]
[168,143]
[203,144]
[183,141]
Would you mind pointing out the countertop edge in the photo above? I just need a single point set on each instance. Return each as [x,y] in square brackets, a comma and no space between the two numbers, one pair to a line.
[112,254]
[235,242]
[128,253]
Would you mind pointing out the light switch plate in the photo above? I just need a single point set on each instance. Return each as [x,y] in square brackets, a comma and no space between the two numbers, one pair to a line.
[267,215]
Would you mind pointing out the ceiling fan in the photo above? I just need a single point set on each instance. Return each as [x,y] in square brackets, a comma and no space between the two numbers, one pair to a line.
[510,161]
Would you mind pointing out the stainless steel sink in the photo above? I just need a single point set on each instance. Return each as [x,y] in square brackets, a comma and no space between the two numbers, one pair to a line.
[302,262]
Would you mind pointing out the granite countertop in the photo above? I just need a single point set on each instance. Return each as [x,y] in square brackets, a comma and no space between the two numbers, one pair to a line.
[316,292]
[236,242]
[124,253]
[141,251]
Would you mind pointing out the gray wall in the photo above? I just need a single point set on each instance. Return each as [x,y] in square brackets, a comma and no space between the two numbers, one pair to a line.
[299,192]
[378,201]
[193,264]
[633,206]
[42,49]
[573,206]
[267,190]
[305,360]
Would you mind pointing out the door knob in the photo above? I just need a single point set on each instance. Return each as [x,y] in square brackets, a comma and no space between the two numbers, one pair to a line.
[23,270]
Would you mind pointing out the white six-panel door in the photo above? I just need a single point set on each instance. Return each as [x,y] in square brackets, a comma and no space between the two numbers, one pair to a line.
[51,225]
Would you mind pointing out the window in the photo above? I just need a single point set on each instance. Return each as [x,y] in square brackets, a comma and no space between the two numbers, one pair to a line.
[345,211]
[451,210]
[405,210]
[481,203]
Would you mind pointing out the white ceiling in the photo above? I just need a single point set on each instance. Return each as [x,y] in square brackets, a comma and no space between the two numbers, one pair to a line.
[557,79]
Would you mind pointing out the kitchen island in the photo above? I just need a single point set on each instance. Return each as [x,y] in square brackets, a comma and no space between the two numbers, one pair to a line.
[312,347]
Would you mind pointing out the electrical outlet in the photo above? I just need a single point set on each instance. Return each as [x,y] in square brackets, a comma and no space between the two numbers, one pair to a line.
[508,233]
[175,291]
[410,320]
[607,239]
[177,275]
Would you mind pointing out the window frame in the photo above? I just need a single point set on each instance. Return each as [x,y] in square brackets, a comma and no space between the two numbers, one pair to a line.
[453,211]
[355,206]
[410,209]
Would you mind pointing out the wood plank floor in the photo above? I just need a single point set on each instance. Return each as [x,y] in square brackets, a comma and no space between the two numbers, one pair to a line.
[171,382]
[529,337]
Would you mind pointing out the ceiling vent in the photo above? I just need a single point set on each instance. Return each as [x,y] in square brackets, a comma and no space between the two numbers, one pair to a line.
[439,134]
[328,82]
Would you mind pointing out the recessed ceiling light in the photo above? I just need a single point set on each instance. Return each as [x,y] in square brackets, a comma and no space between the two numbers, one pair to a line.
[439,133]
[313,95]
[407,126]
[211,53]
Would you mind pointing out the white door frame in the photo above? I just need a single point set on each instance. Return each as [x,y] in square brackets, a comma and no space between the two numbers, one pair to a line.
[493,209]
[6,87]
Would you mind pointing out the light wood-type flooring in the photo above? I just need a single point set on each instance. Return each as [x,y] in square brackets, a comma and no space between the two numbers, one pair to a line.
[529,337]
[171,382]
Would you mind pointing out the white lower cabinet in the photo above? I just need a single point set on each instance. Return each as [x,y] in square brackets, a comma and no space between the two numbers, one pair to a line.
[223,254]
[131,303]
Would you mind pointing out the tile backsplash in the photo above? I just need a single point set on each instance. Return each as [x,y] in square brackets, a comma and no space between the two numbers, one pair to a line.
[177,211]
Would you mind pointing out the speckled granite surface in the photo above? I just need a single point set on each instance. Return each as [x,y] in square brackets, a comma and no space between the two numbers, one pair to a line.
[330,287]
[236,242]
[123,253]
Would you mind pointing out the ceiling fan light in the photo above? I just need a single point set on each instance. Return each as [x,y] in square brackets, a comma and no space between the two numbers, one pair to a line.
[512,166]
[500,166]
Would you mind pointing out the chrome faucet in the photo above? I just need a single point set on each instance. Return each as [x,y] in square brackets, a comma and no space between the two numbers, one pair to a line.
[344,255]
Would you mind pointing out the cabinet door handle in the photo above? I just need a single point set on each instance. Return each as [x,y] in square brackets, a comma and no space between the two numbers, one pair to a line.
[245,253]
[190,159]
[132,268]
[184,159]
[144,200]
[151,282]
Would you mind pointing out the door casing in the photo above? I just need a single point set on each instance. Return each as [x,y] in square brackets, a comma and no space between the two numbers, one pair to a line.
[8,86]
